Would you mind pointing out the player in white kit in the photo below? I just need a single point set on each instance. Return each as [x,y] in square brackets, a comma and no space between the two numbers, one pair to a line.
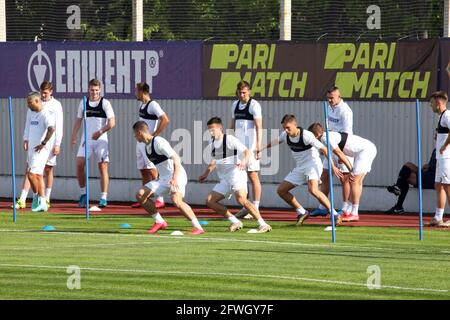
[247,125]
[340,119]
[48,101]
[99,119]
[363,153]
[305,151]
[157,120]
[41,127]
[225,151]
[172,178]
[438,104]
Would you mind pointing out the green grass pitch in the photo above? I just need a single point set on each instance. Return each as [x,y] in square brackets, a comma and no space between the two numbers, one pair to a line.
[288,263]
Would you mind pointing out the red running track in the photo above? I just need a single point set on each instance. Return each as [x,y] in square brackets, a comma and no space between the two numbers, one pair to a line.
[367,219]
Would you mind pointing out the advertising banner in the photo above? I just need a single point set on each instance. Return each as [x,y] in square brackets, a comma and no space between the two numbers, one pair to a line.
[305,71]
[172,69]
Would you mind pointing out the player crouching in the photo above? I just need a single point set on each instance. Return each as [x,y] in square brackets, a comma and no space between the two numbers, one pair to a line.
[172,178]
[233,177]
[305,151]
[362,150]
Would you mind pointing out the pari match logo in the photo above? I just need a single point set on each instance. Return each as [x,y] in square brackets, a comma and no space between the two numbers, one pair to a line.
[370,71]
[258,64]
[71,70]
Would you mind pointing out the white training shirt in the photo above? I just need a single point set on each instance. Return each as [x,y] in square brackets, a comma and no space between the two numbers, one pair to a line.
[162,147]
[340,118]
[305,158]
[245,130]
[94,123]
[56,107]
[441,137]
[153,108]
[353,146]
[227,166]
[37,124]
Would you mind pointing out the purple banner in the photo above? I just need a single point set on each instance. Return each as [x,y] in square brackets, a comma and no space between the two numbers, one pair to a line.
[172,69]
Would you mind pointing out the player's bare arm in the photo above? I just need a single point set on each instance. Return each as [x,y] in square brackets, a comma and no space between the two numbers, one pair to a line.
[109,125]
[258,126]
[50,132]
[76,128]
[207,172]
[163,122]
[335,170]
[338,152]
[271,144]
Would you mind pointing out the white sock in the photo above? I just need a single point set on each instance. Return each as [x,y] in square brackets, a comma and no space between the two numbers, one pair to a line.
[196,224]
[23,195]
[355,208]
[48,192]
[439,214]
[322,207]
[233,219]
[347,206]
[261,222]
[300,210]
[335,213]
[83,190]
[160,199]
[256,205]
[104,195]
[158,218]
[42,200]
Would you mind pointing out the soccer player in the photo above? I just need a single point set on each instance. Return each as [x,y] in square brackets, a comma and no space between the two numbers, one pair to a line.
[172,178]
[340,119]
[408,176]
[48,101]
[305,151]
[151,112]
[362,150]
[247,125]
[438,104]
[225,151]
[99,119]
[41,127]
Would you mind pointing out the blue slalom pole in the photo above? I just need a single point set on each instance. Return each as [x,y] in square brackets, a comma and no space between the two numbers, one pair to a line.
[419,157]
[13,166]
[330,173]
[86,160]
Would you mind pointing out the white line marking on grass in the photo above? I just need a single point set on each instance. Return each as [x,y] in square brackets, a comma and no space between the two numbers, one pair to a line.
[220,274]
[202,238]
[87,245]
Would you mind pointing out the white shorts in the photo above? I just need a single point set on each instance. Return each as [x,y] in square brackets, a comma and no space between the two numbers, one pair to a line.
[363,161]
[51,161]
[300,176]
[342,167]
[37,160]
[161,187]
[142,161]
[442,171]
[229,185]
[99,147]
[253,164]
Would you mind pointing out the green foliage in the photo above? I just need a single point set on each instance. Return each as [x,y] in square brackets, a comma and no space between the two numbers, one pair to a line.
[106,20]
